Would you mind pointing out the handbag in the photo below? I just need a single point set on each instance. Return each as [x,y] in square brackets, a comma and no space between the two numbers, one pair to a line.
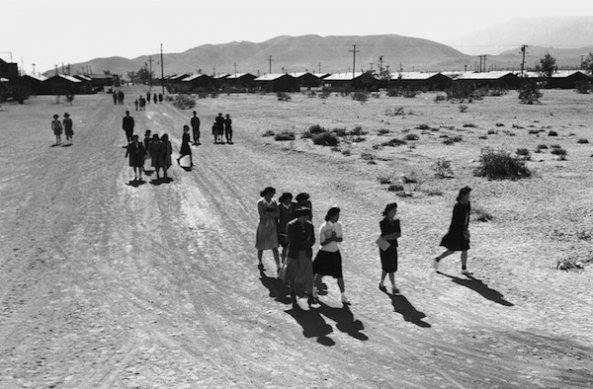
[382,243]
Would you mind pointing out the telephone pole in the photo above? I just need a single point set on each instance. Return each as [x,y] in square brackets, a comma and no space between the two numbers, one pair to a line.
[235,66]
[270,64]
[319,66]
[150,72]
[162,71]
[523,49]
[353,51]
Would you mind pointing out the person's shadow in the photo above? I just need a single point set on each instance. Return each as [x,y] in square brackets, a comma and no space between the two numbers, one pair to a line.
[136,183]
[479,286]
[275,286]
[345,321]
[409,312]
[313,325]
[187,168]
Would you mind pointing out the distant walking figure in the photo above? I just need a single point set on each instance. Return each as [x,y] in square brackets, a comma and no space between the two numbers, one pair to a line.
[267,235]
[147,138]
[136,153]
[457,238]
[68,131]
[142,103]
[127,125]
[148,97]
[185,148]
[303,200]
[114,95]
[168,151]
[228,129]
[157,154]
[218,128]
[155,98]
[299,269]
[120,97]
[160,97]
[328,261]
[57,129]
[136,104]
[390,232]
[286,214]
[195,127]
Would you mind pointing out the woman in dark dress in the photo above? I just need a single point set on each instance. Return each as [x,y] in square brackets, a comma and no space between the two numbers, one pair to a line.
[68,131]
[157,154]
[228,129]
[390,232]
[457,238]
[168,151]
[136,153]
[303,201]
[185,148]
[286,209]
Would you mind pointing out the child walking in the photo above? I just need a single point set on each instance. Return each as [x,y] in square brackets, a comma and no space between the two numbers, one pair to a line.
[185,148]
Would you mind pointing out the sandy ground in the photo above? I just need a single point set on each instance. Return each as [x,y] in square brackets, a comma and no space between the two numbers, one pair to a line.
[103,284]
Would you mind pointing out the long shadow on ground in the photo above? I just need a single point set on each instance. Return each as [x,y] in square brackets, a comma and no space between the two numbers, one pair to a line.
[136,183]
[314,326]
[345,321]
[409,312]
[480,287]
[276,287]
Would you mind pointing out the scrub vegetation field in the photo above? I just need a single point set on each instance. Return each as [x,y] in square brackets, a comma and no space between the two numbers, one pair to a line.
[104,284]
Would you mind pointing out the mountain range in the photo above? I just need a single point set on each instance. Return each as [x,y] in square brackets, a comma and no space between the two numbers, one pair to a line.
[566,38]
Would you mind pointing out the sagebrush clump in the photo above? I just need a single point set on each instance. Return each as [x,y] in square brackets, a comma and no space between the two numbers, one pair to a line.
[501,165]
[184,102]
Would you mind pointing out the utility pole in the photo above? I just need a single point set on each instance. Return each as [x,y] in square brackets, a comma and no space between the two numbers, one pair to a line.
[380,64]
[319,66]
[23,66]
[150,72]
[270,64]
[235,66]
[56,69]
[34,69]
[162,72]
[371,63]
[523,49]
[582,61]
[353,51]
[69,70]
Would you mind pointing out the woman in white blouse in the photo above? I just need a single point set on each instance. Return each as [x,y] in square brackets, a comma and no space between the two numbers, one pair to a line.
[328,261]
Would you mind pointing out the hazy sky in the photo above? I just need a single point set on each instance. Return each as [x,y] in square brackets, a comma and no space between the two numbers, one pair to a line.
[48,32]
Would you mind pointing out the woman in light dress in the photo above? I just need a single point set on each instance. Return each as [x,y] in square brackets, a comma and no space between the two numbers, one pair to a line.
[267,234]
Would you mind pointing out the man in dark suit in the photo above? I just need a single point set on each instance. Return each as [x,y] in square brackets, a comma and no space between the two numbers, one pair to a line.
[128,126]
[195,127]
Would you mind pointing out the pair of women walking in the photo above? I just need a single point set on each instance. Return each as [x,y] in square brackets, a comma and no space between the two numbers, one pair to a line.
[66,126]
[298,238]
[159,150]
[289,224]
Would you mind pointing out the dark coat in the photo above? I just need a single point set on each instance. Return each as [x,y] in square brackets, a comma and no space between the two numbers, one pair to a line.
[457,238]
[68,126]
[137,153]
[127,124]
[157,153]
[195,123]
[300,237]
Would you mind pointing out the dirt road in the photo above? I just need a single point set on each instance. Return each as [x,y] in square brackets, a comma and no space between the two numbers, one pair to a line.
[103,284]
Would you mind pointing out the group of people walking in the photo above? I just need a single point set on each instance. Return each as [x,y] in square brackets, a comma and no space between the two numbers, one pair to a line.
[222,127]
[158,149]
[118,97]
[140,102]
[65,126]
[288,224]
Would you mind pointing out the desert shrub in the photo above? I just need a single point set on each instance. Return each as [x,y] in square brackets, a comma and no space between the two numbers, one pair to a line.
[451,140]
[541,147]
[533,132]
[340,131]
[410,178]
[395,111]
[439,98]
[462,108]
[492,132]
[423,127]
[469,125]
[394,142]
[508,133]
[442,168]
[529,94]
[312,130]
[393,92]
[184,102]
[358,139]
[367,156]
[395,188]
[552,133]
[411,137]
[499,124]
[357,131]
[214,94]
[500,165]
[497,92]
[482,137]
[384,180]
[462,93]
[480,214]
[583,140]
[284,135]
[283,96]
[311,94]
[347,152]
[325,93]
[268,133]
[409,93]
[325,139]
[382,131]
[432,191]
[523,153]
[360,96]
[517,126]
[583,87]
[560,152]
